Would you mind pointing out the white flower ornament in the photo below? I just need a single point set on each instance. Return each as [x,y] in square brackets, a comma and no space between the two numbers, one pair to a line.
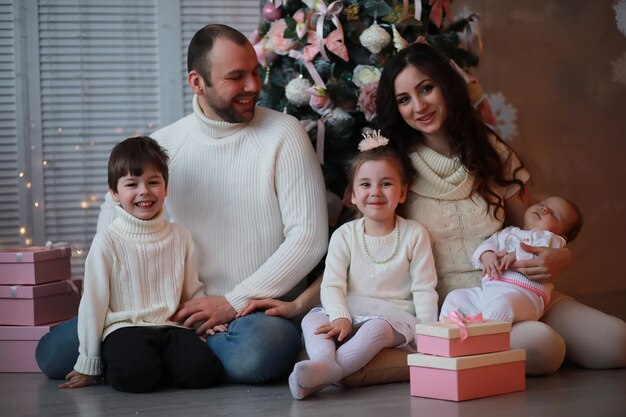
[372,140]
[375,38]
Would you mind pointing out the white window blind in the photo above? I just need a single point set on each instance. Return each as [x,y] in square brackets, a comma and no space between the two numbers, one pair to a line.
[99,85]
[76,77]
[10,191]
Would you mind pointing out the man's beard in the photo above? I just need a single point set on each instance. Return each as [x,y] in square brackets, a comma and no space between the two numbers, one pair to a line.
[229,114]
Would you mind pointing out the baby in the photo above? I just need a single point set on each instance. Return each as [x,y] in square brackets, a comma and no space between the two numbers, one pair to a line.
[506,294]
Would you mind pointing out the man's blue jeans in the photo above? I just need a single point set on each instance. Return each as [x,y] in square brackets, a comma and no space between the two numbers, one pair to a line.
[255,349]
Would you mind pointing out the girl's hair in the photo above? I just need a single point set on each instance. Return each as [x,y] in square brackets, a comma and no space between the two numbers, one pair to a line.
[469,135]
[133,155]
[387,153]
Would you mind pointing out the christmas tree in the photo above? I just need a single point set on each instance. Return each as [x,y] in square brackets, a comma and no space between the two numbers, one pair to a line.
[321,61]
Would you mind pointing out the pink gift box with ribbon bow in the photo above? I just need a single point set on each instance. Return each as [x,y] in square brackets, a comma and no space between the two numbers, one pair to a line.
[34,265]
[445,339]
[467,377]
[31,305]
[18,345]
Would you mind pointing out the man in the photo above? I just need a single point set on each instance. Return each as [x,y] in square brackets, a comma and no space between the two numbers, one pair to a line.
[245,181]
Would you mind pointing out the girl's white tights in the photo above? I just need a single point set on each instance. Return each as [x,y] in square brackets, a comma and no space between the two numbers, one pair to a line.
[326,364]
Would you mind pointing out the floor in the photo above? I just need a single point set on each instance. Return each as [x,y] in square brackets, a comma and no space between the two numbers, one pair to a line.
[571,392]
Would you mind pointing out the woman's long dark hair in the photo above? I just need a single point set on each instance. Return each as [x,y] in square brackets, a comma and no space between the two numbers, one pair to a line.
[469,135]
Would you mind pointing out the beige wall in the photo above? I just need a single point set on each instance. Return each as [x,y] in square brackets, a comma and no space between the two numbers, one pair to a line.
[552,61]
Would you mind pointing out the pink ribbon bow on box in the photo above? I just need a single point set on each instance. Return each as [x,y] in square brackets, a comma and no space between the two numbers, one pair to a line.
[456,318]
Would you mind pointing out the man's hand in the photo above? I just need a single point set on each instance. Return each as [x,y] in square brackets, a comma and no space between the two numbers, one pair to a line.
[547,264]
[339,327]
[77,380]
[212,310]
[272,307]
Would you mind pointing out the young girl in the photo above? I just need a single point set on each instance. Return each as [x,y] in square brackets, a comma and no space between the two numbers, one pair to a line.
[139,269]
[379,279]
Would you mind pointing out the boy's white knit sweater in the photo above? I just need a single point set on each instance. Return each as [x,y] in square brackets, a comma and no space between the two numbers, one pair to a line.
[253,197]
[136,274]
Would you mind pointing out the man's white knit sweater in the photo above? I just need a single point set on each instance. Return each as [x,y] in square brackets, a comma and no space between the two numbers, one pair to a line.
[253,197]
[457,223]
[136,274]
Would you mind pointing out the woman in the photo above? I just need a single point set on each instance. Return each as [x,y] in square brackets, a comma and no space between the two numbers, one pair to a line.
[469,182]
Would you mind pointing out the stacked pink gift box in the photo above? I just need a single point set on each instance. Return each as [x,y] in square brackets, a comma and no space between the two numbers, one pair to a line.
[36,293]
[465,361]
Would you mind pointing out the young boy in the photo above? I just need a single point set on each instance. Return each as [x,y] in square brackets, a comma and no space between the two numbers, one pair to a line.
[506,294]
[138,271]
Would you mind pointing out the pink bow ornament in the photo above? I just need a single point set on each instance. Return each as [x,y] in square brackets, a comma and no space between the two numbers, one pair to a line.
[437,9]
[334,43]
[333,10]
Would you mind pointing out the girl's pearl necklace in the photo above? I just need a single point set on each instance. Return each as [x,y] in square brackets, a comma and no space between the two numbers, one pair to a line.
[396,244]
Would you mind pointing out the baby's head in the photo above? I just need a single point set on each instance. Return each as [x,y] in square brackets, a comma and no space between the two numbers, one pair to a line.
[555,214]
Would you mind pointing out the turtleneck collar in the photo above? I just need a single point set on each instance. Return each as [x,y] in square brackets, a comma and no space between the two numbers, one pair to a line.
[216,129]
[137,229]
[439,176]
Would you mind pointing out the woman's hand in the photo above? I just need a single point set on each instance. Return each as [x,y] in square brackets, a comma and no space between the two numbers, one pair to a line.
[547,264]
[339,327]
[272,307]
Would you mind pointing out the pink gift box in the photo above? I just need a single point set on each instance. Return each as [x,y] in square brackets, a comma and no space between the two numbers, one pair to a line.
[467,377]
[34,265]
[445,339]
[31,305]
[18,344]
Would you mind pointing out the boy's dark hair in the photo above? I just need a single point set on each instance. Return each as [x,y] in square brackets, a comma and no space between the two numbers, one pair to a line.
[133,155]
[577,226]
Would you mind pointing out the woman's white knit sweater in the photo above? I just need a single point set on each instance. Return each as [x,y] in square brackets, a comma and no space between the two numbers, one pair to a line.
[136,274]
[457,223]
[253,197]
